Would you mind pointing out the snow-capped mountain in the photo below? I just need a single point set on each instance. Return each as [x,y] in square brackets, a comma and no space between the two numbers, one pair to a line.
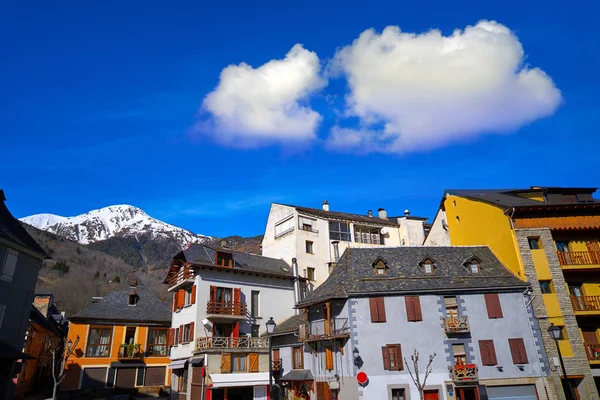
[108,222]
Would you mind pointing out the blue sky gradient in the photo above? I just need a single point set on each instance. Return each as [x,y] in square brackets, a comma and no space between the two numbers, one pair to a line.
[99,100]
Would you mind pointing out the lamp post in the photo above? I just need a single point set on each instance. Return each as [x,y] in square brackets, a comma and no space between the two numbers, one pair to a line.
[554,332]
[270,329]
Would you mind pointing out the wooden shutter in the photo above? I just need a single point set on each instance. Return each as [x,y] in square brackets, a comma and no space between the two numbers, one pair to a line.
[492,304]
[276,356]
[171,337]
[386,357]
[374,309]
[180,298]
[328,357]
[517,350]
[191,331]
[488,352]
[417,307]
[226,362]
[253,362]
[381,309]
[323,391]
[180,333]
[213,293]
[194,294]
[410,309]
[399,360]
[236,330]
[175,301]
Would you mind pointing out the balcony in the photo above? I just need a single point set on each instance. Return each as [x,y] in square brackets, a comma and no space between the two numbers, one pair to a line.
[586,303]
[219,310]
[465,373]
[220,344]
[456,324]
[185,274]
[130,352]
[307,228]
[323,329]
[593,351]
[573,259]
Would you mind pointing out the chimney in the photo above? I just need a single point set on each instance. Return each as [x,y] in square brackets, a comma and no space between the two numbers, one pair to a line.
[406,213]
[370,213]
[325,205]
[382,213]
[224,244]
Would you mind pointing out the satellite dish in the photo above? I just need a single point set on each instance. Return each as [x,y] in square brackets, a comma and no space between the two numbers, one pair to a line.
[384,230]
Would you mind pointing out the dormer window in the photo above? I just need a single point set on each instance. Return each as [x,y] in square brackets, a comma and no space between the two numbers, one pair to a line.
[380,266]
[224,259]
[428,265]
[133,298]
[474,267]
[474,264]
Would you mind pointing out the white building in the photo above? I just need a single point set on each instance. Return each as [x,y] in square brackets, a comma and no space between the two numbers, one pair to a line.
[317,237]
[222,300]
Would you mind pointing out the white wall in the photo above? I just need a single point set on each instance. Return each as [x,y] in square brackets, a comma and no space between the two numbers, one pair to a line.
[182,317]
[438,236]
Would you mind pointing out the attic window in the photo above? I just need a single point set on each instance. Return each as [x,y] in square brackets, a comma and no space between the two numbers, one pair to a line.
[428,265]
[380,266]
[133,298]
[224,259]
[474,266]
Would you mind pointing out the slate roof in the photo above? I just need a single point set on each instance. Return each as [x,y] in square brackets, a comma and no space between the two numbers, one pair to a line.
[200,254]
[337,215]
[509,197]
[12,230]
[298,375]
[354,275]
[115,306]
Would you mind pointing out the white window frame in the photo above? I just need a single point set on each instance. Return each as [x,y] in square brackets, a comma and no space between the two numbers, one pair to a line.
[5,275]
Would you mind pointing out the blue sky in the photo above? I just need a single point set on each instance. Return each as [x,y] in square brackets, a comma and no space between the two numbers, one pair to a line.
[105,103]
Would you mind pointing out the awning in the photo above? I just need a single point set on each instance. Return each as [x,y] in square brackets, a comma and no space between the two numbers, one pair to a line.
[178,364]
[297,375]
[197,361]
[244,379]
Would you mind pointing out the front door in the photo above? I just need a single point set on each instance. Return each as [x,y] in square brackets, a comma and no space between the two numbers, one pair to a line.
[125,378]
[469,393]
[430,395]
[197,382]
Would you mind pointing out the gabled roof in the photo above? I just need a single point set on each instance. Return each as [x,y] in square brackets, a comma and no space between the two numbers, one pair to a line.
[342,216]
[12,230]
[290,325]
[353,275]
[203,255]
[115,306]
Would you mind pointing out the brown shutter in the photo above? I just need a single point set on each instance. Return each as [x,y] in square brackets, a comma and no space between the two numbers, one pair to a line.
[517,350]
[417,307]
[374,309]
[492,351]
[194,294]
[213,293]
[226,362]
[180,298]
[328,357]
[276,356]
[253,362]
[180,333]
[171,337]
[410,309]
[492,304]
[175,301]
[399,360]
[386,357]
[488,353]
[191,331]
[381,309]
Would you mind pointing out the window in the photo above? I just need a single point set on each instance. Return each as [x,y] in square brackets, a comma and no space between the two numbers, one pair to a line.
[474,266]
[254,330]
[307,224]
[186,337]
[413,309]
[283,227]
[492,304]
[459,354]
[392,357]
[176,338]
[8,265]
[534,243]
[546,287]
[380,268]
[98,344]
[157,342]
[133,299]
[224,259]
[310,248]
[336,250]
[369,235]
[451,306]
[297,357]
[428,267]
[238,362]
[339,231]
[562,246]
[517,350]
[310,274]
[254,303]
[377,306]
[397,394]
[488,352]
[183,378]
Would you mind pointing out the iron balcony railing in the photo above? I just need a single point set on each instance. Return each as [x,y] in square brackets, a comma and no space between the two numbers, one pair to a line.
[231,343]
[586,303]
[464,373]
[456,324]
[578,257]
[226,308]
[130,352]
[324,329]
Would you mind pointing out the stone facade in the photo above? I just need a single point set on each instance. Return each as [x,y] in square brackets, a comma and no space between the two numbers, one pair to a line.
[578,364]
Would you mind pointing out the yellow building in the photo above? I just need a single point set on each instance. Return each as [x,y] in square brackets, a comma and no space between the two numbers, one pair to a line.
[120,342]
[550,237]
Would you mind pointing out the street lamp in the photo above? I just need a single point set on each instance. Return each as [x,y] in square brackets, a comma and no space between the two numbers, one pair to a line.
[554,332]
[270,329]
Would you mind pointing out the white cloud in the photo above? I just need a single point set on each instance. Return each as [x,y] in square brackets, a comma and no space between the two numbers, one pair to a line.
[253,105]
[421,91]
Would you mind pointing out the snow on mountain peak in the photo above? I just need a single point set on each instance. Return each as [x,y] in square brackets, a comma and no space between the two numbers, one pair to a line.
[106,222]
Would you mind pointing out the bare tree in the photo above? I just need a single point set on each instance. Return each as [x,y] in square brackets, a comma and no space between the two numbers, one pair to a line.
[58,348]
[416,378]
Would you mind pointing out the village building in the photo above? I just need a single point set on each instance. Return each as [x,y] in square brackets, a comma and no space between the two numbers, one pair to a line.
[222,300]
[317,238]
[20,260]
[549,236]
[360,327]
[120,342]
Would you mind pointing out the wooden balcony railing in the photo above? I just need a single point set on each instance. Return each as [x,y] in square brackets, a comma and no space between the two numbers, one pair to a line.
[324,329]
[223,308]
[586,303]
[230,343]
[464,373]
[182,275]
[456,324]
[130,352]
[593,352]
[578,257]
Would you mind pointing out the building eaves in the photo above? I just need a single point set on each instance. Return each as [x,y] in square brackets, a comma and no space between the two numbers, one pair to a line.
[12,231]
[341,216]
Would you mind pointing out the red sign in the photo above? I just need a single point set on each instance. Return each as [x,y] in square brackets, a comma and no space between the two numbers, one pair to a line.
[362,378]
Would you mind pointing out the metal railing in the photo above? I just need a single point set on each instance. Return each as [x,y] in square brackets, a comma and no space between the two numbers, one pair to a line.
[593,351]
[205,343]
[308,229]
[578,257]
[586,303]
[182,275]
[130,351]
[226,308]
[456,324]
[324,329]
[464,373]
